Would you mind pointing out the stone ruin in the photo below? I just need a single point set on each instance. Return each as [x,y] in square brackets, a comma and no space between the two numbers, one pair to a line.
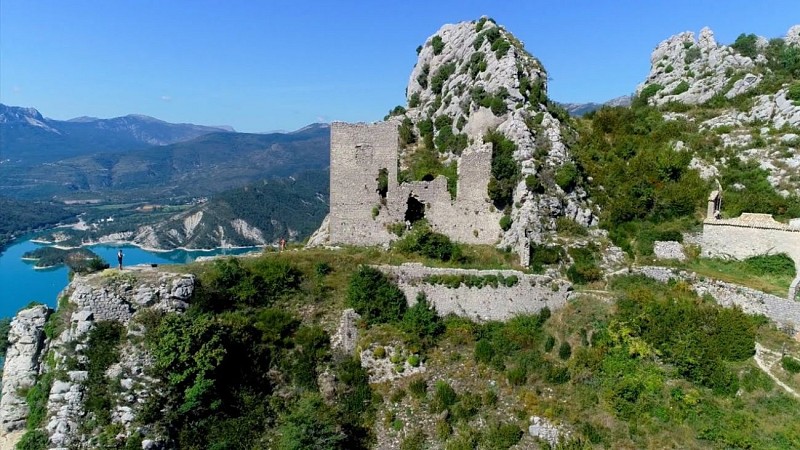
[750,234]
[362,214]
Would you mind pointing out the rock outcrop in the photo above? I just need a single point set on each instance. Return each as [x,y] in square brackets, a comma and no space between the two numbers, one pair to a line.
[488,62]
[692,71]
[749,87]
[101,297]
[23,359]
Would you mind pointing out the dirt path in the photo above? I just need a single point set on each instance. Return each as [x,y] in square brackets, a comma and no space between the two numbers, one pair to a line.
[766,359]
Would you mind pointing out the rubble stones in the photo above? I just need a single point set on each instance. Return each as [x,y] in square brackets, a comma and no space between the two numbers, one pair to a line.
[669,250]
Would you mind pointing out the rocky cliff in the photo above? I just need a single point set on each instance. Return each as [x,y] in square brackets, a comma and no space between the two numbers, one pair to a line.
[746,96]
[55,356]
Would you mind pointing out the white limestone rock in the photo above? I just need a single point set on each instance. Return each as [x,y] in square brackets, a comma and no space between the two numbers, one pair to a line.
[701,67]
[524,118]
[23,357]
[793,36]
[545,430]
[669,250]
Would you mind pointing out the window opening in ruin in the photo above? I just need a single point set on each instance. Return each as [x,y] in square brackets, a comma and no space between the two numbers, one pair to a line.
[383,184]
[415,210]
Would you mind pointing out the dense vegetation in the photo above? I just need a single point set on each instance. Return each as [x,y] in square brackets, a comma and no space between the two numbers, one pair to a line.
[18,217]
[643,182]
[239,371]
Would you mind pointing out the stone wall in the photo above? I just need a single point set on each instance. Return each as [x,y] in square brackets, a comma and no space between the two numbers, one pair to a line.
[529,295]
[785,313]
[360,151]
[750,235]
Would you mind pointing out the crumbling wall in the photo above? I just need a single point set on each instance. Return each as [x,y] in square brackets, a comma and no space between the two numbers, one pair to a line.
[530,294]
[360,216]
[358,152]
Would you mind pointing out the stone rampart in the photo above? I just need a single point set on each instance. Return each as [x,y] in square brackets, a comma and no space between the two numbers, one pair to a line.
[529,295]
[359,215]
[750,235]
[785,313]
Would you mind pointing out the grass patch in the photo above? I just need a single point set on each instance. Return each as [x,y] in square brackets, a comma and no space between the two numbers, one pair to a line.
[770,273]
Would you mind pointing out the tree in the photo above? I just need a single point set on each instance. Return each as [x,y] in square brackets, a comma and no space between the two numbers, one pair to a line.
[375,297]
[421,320]
[310,424]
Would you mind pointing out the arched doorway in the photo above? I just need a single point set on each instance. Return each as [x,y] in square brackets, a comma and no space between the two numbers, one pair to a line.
[415,210]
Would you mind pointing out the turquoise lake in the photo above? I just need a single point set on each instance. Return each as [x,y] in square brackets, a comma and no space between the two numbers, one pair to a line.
[21,284]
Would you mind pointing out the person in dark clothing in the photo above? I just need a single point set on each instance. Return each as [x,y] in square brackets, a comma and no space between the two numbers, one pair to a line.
[119,258]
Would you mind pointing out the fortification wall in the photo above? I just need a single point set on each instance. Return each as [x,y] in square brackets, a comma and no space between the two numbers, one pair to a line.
[360,151]
[750,235]
[529,295]
[785,313]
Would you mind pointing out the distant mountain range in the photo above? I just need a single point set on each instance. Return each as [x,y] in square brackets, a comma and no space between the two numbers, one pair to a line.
[579,109]
[27,137]
[138,157]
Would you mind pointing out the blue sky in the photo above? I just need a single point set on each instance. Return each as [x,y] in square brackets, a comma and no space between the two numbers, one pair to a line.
[268,65]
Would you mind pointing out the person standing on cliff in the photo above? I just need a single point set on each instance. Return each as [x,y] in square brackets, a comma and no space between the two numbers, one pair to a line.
[119,258]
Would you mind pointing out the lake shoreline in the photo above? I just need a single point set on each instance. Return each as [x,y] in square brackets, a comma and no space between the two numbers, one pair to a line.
[145,248]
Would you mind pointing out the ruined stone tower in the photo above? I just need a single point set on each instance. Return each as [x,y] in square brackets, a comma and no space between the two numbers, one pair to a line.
[361,215]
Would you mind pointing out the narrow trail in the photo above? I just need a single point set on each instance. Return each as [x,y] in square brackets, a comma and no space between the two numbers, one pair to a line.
[766,358]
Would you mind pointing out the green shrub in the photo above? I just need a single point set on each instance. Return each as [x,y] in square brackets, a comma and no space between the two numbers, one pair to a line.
[102,350]
[33,440]
[505,222]
[549,343]
[309,424]
[793,93]
[570,227]
[483,351]
[669,69]
[746,45]
[692,54]
[649,91]
[517,375]
[5,327]
[413,361]
[505,170]
[414,100]
[418,388]
[501,436]
[779,265]
[322,268]
[375,297]
[542,255]
[790,364]
[585,267]
[443,397]
[564,350]
[682,87]
[422,321]
[444,72]
[437,44]
[566,177]
[428,243]
[533,184]
[379,352]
